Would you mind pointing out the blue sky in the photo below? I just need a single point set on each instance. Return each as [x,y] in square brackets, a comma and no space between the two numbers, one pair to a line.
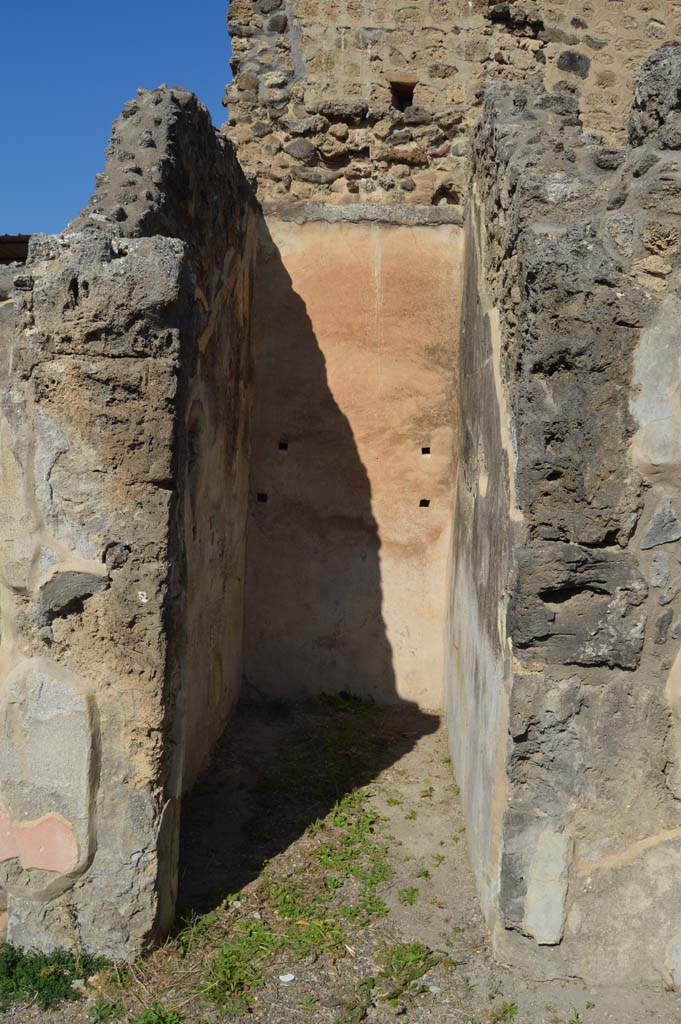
[67,67]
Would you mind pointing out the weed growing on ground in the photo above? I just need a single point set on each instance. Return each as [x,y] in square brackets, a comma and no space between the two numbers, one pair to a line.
[105,1012]
[238,966]
[157,1014]
[403,965]
[45,979]
[408,896]
[308,1002]
[506,1012]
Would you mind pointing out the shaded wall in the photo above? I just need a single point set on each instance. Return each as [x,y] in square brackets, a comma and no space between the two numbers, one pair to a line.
[124,410]
[350,515]
[478,664]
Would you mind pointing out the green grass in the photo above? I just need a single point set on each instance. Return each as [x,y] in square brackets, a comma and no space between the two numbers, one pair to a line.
[238,968]
[401,967]
[44,978]
[300,915]
[105,1012]
[506,1012]
[408,896]
[157,1014]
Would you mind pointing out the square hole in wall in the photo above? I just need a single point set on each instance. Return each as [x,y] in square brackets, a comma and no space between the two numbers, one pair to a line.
[425,451]
[402,94]
[283,446]
[424,503]
[262,498]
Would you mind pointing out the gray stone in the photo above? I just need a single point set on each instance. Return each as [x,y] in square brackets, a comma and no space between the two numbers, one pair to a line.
[303,150]
[608,159]
[68,588]
[664,527]
[643,163]
[659,569]
[544,916]
[575,63]
[278,23]
[657,95]
[668,595]
[662,626]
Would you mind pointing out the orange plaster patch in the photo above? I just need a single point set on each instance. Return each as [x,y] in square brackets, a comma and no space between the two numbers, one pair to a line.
[48,843]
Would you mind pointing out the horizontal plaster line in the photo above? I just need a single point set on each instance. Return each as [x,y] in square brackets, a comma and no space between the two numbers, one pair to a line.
[632,853]
[357,213]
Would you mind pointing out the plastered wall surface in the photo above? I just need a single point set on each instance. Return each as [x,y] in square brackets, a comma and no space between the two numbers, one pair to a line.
[355,353]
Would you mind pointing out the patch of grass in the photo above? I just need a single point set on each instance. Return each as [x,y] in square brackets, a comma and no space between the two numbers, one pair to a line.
[423,873]
[197,927]
[392,801]
[238,967]
[308,1002]
[157,1014]
[366,909]
[438,859]
[104,1012]
[446,760]
[401,967]
[302,919]
[506,1012]
[354,1011]
[44,979]
[408,896]
[410,816]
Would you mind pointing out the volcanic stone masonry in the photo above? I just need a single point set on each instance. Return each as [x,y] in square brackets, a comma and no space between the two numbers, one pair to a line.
[376,389]
[123,481]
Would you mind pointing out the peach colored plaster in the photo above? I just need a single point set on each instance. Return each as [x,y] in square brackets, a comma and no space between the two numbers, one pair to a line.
[48,843]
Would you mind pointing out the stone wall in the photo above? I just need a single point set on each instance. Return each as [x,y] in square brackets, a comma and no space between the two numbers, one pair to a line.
[575,820]
[124,411]
[314,107]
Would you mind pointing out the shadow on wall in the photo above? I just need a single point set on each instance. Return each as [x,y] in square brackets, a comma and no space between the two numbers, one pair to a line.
[314,623]
[313,618]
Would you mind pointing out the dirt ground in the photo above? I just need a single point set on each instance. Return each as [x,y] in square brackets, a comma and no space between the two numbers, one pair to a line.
[325,878]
